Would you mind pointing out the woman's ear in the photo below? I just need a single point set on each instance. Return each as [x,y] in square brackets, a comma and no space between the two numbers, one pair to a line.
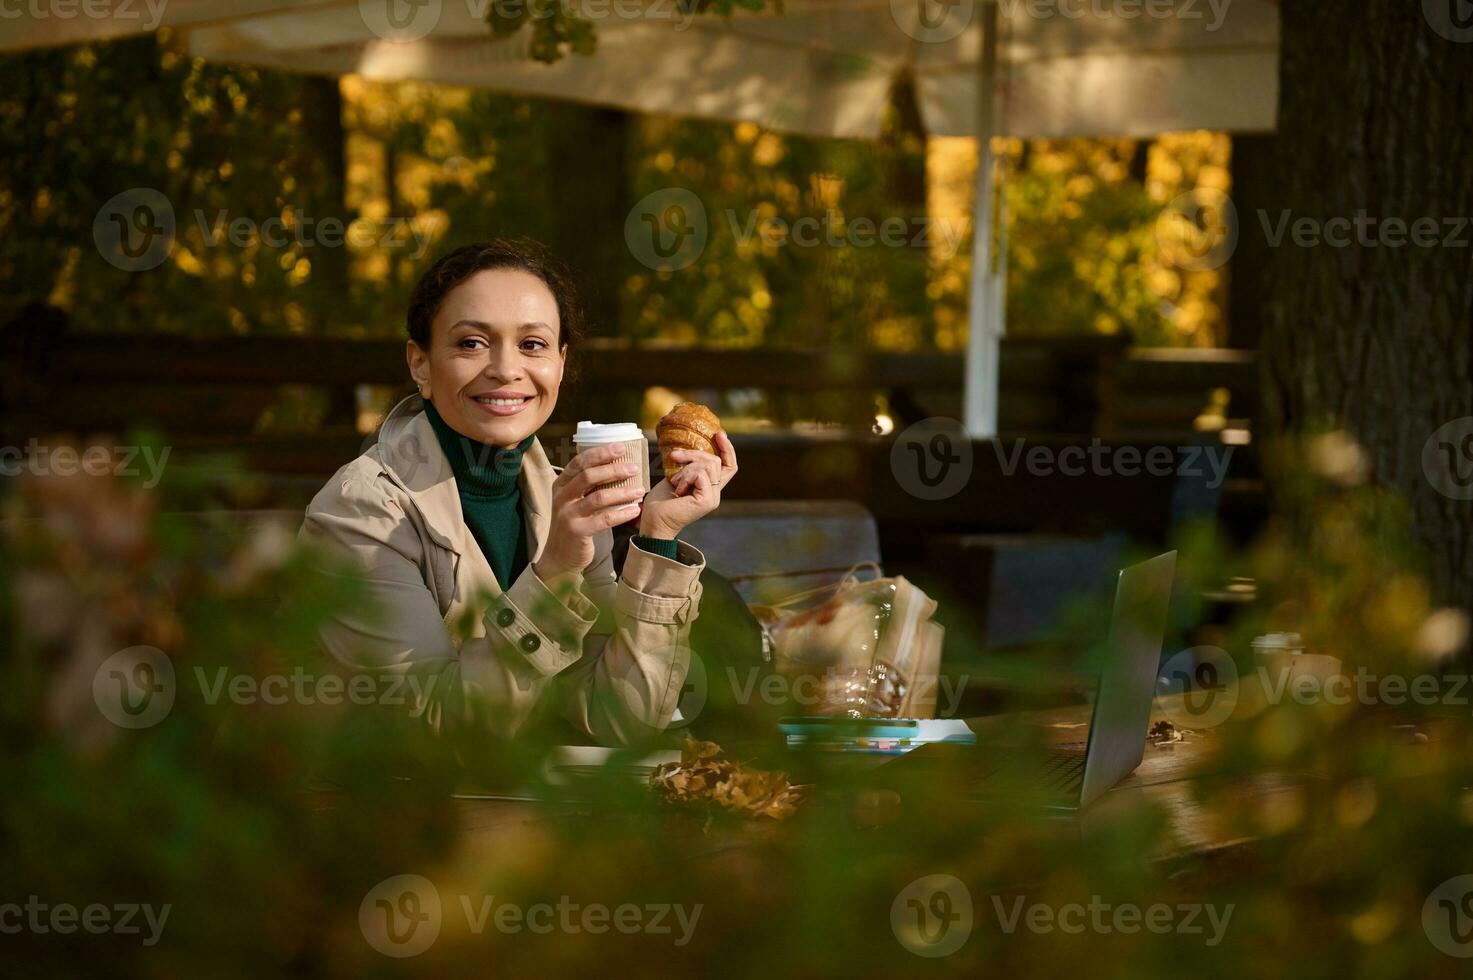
[419,367]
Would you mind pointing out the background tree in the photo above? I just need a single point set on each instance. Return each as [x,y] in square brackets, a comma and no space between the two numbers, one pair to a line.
[1377,338]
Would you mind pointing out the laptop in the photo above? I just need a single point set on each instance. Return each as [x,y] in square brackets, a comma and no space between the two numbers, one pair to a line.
[1073,778]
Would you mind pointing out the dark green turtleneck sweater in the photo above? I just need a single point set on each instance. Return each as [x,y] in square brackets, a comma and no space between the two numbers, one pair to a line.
[491,499]
[486,480]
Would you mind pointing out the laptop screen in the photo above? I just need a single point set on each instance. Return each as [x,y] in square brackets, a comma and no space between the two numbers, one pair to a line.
[1122,712]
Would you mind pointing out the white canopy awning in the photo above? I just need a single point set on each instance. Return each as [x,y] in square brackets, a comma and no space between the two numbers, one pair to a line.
[1068,67]
[822,66]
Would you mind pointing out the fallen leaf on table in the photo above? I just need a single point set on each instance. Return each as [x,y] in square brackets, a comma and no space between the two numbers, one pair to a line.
[1163,732]
[704,776]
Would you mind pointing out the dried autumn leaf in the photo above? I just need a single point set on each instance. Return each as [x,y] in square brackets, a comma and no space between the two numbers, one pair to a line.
[704,776]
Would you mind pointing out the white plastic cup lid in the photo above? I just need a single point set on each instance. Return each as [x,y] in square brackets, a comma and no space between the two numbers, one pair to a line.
[1278,641]
[603,434]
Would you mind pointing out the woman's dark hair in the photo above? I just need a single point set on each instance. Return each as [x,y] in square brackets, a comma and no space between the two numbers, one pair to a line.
[456,267]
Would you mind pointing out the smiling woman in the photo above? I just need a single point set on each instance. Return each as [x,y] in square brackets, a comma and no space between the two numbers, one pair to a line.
[490,570]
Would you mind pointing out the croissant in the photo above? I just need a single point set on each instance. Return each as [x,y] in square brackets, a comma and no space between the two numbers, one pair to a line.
[686,426]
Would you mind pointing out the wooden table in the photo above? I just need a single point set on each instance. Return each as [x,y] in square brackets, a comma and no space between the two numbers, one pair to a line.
[1163,777]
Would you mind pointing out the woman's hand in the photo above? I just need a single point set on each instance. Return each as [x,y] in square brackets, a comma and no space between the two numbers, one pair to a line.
[692,493]
[577,515]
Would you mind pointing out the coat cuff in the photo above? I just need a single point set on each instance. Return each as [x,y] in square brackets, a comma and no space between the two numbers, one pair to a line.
[657,589]
[545,629]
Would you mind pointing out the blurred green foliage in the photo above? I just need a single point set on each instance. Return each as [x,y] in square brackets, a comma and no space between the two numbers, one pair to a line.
[1315,830]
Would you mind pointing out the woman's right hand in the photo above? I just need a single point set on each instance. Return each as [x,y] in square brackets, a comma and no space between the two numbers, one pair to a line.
[577,515]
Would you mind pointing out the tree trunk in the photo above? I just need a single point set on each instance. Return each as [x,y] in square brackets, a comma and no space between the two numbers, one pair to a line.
[323,170]
[589,191]
[1256,186]
[1376,338]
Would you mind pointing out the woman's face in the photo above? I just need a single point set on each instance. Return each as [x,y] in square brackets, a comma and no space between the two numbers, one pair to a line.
[493,366]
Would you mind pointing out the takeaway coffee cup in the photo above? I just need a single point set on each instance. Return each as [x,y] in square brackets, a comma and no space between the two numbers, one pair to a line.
[1283,653]
[591,435]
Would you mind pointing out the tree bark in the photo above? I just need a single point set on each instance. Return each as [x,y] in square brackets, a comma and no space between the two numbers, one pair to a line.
[1371,336]
[1255,187]
[323,167]
[589,192]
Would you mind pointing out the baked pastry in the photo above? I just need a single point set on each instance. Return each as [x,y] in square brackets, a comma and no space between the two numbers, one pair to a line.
[686,426]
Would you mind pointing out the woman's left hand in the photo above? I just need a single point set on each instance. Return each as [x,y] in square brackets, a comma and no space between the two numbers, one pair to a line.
[692,493]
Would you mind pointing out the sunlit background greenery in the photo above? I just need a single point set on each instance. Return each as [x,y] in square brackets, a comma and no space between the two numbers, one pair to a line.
[457,163]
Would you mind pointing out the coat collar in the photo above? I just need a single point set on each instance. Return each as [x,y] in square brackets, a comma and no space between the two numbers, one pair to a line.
[411,456]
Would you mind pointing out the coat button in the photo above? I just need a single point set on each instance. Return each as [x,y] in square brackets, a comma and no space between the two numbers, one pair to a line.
[531,642]
[505,617]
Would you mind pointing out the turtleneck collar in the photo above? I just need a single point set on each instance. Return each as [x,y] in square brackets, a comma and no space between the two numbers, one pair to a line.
[480,470]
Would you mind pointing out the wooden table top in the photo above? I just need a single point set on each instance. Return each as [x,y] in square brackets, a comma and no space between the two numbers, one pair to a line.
[1164,777]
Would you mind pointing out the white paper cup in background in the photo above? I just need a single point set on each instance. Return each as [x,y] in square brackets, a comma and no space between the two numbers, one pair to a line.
[592,435]
[1283,653]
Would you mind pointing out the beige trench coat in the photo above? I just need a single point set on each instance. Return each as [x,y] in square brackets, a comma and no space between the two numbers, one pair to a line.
[611,654]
